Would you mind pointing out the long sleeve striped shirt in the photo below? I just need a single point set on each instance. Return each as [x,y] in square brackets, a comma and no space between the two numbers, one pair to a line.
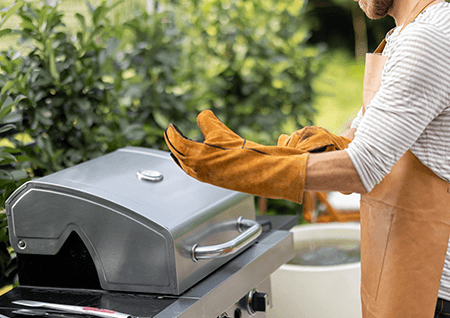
[411,111]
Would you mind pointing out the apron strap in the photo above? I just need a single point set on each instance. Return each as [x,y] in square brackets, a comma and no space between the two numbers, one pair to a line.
[381,46]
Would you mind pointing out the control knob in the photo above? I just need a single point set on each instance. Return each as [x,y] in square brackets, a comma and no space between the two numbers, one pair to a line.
[257,301]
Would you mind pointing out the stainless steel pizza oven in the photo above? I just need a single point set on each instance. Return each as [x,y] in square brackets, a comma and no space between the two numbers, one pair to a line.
[132,222]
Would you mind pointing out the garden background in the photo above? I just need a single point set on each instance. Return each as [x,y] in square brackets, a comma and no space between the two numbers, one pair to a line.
[79,79]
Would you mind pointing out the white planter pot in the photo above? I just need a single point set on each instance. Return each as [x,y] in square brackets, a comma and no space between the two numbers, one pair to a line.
[318,291]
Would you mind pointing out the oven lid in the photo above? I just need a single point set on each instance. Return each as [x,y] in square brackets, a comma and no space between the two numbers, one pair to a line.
[144,181]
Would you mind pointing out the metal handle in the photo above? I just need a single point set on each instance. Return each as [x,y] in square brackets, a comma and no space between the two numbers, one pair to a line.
[253,230]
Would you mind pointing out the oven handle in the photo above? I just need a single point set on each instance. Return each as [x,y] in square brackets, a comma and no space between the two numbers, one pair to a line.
[252,231]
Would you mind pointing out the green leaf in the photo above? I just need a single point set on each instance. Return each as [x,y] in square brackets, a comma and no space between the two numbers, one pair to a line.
[98,14]
[3,235]
[90,7]
[7,86]
[84,103]
[9,150]
[115,5]
[22,158]
[4,32]
[13,117]
[11,11]
[52,66]
[5,175]
[19,174]
[161,119]
[19,98]
[6,128]
[8,104]
[134,132]
[81,20]
[96,31]
[6,161]
[28,25]
[44,116]
[7,155]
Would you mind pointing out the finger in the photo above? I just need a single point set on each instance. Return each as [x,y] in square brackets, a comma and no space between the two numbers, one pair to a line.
[297,137]
[308,138]
[283,140]
[214,130]
[180,145]
[303,134]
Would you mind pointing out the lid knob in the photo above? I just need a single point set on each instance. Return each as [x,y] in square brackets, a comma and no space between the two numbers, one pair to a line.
[149,175]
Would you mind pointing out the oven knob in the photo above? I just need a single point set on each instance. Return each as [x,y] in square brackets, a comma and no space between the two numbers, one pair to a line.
[260,301]
[257,301]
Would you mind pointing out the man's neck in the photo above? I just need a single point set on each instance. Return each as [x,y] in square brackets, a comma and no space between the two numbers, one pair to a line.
[403,10]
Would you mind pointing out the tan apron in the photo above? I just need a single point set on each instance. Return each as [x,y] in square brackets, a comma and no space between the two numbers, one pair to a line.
[405,227]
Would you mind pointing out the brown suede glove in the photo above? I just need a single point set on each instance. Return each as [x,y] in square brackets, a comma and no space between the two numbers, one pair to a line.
[226,160]
[313,139]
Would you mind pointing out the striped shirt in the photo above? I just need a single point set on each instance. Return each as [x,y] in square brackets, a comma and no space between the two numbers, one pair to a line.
[412,108]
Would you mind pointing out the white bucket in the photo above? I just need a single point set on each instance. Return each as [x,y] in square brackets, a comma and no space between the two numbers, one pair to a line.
[318,291]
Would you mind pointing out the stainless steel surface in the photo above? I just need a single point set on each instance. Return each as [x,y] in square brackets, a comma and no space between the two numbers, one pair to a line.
[248,303]
[104,313]
[253,230]
[139,234]
[227,289]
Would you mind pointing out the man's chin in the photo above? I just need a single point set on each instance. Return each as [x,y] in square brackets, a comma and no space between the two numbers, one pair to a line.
[377,16]
[375,11]
[374,14]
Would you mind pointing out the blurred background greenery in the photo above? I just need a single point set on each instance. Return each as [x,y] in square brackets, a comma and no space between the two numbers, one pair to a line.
[79,79]
[337,27]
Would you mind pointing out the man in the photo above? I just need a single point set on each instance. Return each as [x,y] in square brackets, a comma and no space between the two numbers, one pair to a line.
[399,159]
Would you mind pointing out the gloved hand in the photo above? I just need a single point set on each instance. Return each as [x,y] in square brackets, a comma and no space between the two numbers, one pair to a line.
[226,160]
[313,139]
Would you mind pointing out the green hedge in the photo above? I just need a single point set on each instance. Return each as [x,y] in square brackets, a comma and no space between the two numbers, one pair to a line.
[12,170]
